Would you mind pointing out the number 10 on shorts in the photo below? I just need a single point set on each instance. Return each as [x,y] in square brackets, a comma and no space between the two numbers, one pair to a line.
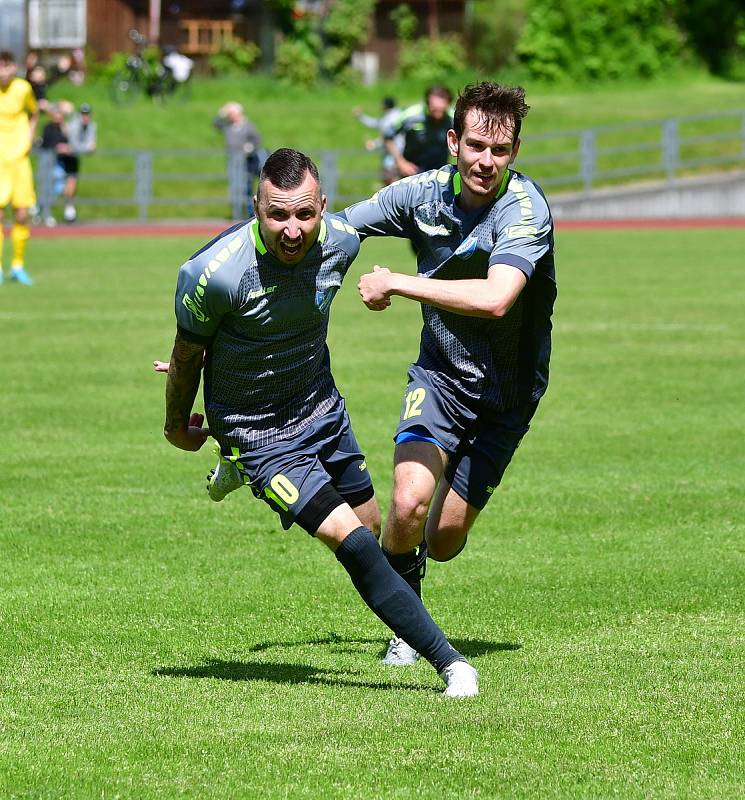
[413,402]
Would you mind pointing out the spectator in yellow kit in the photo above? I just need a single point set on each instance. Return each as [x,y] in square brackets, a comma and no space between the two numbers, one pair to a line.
[18,117]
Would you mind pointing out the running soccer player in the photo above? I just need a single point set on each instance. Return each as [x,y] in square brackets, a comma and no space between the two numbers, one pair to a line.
[252,310]
[18,117]
[484,237]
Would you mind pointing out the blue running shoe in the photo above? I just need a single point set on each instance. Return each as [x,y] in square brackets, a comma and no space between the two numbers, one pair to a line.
[19,274]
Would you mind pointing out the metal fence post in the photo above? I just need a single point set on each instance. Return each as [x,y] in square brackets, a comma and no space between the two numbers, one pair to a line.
[588,157]
[143,182]
[742,133]
[237,184]
[330,177]
[45,181]
[670,148]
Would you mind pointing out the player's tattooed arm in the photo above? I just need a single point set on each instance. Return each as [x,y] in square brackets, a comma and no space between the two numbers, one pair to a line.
[182,428]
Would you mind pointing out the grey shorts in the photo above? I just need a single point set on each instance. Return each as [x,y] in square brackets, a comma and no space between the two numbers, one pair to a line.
[480,445]
[287,474]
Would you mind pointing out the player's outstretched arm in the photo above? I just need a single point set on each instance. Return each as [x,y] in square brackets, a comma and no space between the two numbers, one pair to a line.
[182,428]
[492,296]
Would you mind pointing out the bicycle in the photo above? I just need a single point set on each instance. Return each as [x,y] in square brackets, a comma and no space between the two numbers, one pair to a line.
[160,76]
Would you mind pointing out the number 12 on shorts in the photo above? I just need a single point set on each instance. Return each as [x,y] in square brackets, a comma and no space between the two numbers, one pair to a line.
[413,402]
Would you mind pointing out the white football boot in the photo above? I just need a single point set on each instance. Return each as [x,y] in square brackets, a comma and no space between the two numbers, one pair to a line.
[461,680]
[224,478]
[400,654]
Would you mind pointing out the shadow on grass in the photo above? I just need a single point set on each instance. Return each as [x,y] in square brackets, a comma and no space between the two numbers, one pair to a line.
[304,673]
[279,673]
[471,648]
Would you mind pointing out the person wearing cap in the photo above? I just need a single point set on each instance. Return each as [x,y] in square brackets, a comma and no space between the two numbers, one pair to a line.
[81,136]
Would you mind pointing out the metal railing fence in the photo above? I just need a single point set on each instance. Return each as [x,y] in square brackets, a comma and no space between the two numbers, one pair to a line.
[201,183]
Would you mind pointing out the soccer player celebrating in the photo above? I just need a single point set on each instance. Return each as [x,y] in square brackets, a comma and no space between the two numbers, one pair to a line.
[484,237]
[18,117]
[252,311]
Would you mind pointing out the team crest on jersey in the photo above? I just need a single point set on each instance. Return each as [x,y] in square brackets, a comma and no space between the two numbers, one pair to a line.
[467,247]
[324,298]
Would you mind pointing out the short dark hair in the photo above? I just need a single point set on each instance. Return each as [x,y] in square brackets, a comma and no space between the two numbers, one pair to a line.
[438,91]
[495,103]
[286,168]
[7,57]
[389,102]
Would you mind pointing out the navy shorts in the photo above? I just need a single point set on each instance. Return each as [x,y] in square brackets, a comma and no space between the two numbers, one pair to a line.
[288,473]
[479,445]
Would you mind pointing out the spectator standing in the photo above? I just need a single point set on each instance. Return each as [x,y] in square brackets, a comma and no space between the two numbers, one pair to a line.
[37,77]
[387,120]
[54,138]
[242,143]
[81,135]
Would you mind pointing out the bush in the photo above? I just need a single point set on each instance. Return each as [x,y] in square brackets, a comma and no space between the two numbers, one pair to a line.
[492,31]
[431,60]
[234,58]
[599,39]
[297,62]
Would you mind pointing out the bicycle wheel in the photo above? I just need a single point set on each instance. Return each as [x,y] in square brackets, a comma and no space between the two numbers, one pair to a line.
[125,87]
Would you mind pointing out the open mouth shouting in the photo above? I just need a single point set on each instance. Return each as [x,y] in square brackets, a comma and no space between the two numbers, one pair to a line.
[291,250]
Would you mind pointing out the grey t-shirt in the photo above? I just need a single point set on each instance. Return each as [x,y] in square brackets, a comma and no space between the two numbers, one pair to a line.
[494,364]
[267,373]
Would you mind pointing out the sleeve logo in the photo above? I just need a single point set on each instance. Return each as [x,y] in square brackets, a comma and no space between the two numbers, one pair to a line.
[194,306]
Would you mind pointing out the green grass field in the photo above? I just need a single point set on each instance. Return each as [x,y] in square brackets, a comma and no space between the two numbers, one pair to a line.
[156,645]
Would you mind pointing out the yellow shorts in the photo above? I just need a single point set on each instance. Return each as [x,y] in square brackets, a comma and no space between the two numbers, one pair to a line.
[17,184]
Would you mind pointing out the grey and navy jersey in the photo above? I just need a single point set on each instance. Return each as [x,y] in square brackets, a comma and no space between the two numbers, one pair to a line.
[264,323]
[499,363]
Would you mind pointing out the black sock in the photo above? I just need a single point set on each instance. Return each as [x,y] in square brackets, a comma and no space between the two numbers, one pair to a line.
[410,566]
[392,599]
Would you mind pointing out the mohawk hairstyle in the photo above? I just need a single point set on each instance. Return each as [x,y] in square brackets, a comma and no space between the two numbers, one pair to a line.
[494,103]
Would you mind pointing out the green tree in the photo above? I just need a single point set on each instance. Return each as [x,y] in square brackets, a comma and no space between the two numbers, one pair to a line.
[423,59]
[492,30]
[713,27]
[320,45]
[599,39]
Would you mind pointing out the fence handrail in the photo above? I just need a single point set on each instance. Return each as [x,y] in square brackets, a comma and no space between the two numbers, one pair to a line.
[582,158]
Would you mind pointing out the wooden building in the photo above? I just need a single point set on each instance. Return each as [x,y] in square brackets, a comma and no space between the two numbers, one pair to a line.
[198,27]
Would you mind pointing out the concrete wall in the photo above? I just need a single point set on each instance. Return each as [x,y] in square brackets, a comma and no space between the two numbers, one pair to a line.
[721,195]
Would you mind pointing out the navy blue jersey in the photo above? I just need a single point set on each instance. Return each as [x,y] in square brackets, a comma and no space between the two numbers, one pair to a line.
[496,364]
[264,323]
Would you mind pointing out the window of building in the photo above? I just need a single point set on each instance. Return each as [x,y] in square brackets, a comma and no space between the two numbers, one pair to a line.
[56,23]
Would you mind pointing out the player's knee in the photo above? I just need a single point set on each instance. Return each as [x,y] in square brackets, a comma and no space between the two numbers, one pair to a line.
[409,506]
